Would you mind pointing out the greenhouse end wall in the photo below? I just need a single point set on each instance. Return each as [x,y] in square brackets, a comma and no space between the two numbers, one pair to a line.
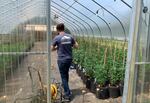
[138,62]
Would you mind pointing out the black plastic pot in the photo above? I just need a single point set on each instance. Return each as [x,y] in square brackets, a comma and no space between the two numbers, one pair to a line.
[102,93]
[82,74]
[107,83]
[79,70]
[114,92]
[85,77]
[93,86]
[88,83]
[121,89]
[75,66]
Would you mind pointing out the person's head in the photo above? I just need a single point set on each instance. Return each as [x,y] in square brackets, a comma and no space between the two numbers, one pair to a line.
[60,27]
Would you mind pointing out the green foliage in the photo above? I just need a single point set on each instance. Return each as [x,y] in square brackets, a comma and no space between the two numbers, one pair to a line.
[101,74]
[116,75]
[14,47]
[6,61]
[91,55]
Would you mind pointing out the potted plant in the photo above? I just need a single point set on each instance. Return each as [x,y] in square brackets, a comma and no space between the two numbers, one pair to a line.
[101,78]
[121,75]
[114,91]
[85,77]
[90,77]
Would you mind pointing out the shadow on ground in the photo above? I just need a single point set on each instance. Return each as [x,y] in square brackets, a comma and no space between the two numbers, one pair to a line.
[76,92]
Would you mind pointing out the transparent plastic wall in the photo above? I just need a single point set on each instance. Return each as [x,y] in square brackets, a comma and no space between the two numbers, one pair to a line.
[142,64]
[94,17]
[139,55]
[23,50]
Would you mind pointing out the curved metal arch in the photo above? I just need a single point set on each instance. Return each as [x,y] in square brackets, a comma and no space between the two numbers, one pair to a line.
[77,17]
[72,18]
[113,16]
[98,17]
[69,7]
[84,16]
[73,29]
[72,24]
[126,4]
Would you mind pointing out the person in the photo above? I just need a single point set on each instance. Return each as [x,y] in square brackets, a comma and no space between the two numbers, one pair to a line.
[64,43]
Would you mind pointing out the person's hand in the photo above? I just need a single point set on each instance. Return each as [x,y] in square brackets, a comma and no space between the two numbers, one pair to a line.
[53,48]
[76,45]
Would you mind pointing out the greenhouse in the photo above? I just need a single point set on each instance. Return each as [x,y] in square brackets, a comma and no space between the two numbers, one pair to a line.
[74,51]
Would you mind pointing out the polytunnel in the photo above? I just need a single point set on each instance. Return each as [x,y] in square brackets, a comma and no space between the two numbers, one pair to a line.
[111,64]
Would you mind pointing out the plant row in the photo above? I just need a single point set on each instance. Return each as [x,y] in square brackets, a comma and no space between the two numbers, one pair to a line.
[101,65]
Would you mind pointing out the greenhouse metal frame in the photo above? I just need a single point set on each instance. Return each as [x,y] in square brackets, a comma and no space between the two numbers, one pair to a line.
[114,48]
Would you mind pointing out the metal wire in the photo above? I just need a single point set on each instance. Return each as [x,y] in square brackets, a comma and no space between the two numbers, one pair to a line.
[99,18]
[126,4]
[71,24]
[77,17]
[124,32]
[73,21]
[74,24]
[83,15]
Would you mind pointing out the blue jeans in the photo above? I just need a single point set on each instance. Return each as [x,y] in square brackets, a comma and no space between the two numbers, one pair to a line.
[64,73]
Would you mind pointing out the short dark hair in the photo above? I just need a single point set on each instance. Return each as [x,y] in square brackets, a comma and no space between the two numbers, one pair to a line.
[60,27]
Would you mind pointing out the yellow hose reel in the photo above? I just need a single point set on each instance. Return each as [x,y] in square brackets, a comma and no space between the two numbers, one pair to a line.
[53,91]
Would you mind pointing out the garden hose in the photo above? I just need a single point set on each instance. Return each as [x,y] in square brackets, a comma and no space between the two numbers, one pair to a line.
[53,86]
[53,91]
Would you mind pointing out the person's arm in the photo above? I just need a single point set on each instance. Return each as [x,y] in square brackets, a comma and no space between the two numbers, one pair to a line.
[53,48]
[76,45]
[54,44]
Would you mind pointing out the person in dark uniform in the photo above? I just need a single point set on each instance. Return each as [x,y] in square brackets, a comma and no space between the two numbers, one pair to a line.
[64,43]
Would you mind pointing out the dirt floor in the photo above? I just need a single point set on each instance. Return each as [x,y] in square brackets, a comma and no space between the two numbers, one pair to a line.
[19,85]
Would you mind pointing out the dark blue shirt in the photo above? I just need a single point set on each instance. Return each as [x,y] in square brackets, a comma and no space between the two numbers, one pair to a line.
[64,43]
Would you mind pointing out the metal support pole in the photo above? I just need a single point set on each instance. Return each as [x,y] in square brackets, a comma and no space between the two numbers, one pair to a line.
[148,41]
[49,38]
[129,81]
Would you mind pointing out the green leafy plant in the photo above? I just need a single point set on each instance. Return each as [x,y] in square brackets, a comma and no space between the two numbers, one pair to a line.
[114,76]
[101,74]
[100,64]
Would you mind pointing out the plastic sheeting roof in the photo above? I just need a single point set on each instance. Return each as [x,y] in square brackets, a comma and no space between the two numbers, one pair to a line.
[107,18]
[14,12]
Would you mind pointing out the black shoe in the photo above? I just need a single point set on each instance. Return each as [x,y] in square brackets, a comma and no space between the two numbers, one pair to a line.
[66,98]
